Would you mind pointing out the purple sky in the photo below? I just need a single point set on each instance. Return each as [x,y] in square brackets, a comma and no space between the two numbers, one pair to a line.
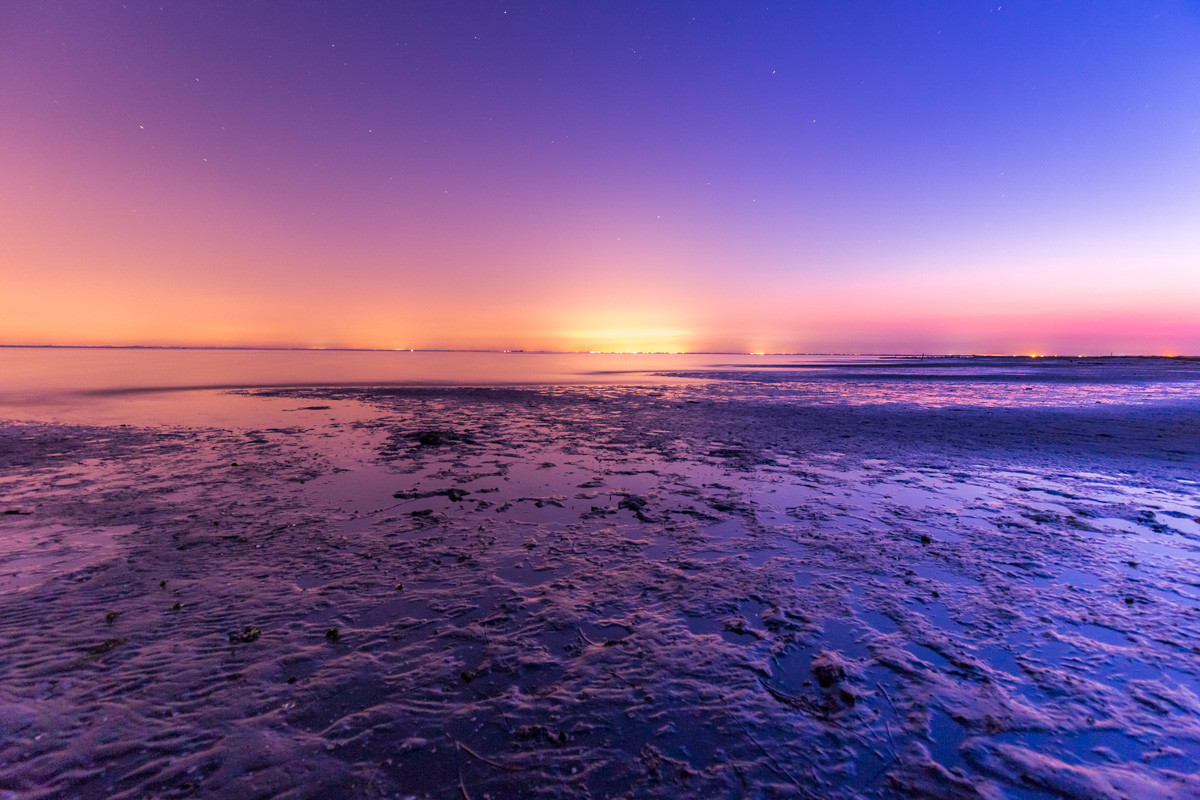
[938,177]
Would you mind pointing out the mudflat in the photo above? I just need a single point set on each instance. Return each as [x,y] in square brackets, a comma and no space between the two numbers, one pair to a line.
[934,580]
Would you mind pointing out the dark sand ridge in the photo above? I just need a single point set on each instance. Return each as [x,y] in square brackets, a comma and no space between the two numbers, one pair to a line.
[737,589]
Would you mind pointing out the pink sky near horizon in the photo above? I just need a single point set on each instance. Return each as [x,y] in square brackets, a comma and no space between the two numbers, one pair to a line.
[167,185]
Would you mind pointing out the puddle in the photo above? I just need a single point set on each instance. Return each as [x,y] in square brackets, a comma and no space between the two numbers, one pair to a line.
[1000,658]
[880,622]
[945,736]
[1103,635]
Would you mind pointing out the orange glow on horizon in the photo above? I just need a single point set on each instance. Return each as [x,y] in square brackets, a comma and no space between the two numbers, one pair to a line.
[194,274]
[386,198]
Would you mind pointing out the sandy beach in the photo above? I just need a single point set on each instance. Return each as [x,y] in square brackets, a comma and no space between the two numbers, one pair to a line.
[935,579]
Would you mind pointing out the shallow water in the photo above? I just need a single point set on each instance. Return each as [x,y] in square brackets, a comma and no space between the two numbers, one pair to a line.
[709,588]
[165,386]
[37,379]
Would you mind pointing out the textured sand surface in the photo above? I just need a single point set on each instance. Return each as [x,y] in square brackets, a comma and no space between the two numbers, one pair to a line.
[871,585]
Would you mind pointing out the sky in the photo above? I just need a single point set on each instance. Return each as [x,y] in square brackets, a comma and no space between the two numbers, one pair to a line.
[939,177]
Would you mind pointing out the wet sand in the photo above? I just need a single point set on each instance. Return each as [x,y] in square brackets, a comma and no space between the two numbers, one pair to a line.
[875,585]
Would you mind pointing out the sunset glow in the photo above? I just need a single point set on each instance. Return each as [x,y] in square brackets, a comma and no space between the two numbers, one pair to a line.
[806,178]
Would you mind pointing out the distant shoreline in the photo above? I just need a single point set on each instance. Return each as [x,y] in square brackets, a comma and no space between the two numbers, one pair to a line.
[914,356]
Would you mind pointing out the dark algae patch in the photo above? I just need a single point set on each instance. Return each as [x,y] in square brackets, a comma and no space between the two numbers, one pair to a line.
[890,586]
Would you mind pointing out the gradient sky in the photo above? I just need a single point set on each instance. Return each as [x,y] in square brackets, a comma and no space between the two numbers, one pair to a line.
[801,177]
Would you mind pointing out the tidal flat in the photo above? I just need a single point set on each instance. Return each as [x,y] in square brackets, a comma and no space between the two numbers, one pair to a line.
[950,579]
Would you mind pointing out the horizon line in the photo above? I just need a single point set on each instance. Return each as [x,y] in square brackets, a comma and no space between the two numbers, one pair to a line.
[296,348]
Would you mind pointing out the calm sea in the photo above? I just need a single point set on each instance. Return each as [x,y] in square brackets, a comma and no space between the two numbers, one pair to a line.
[156,386]
[189,387]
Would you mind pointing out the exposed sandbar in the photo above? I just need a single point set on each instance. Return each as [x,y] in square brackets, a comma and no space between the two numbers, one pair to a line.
[715,591]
